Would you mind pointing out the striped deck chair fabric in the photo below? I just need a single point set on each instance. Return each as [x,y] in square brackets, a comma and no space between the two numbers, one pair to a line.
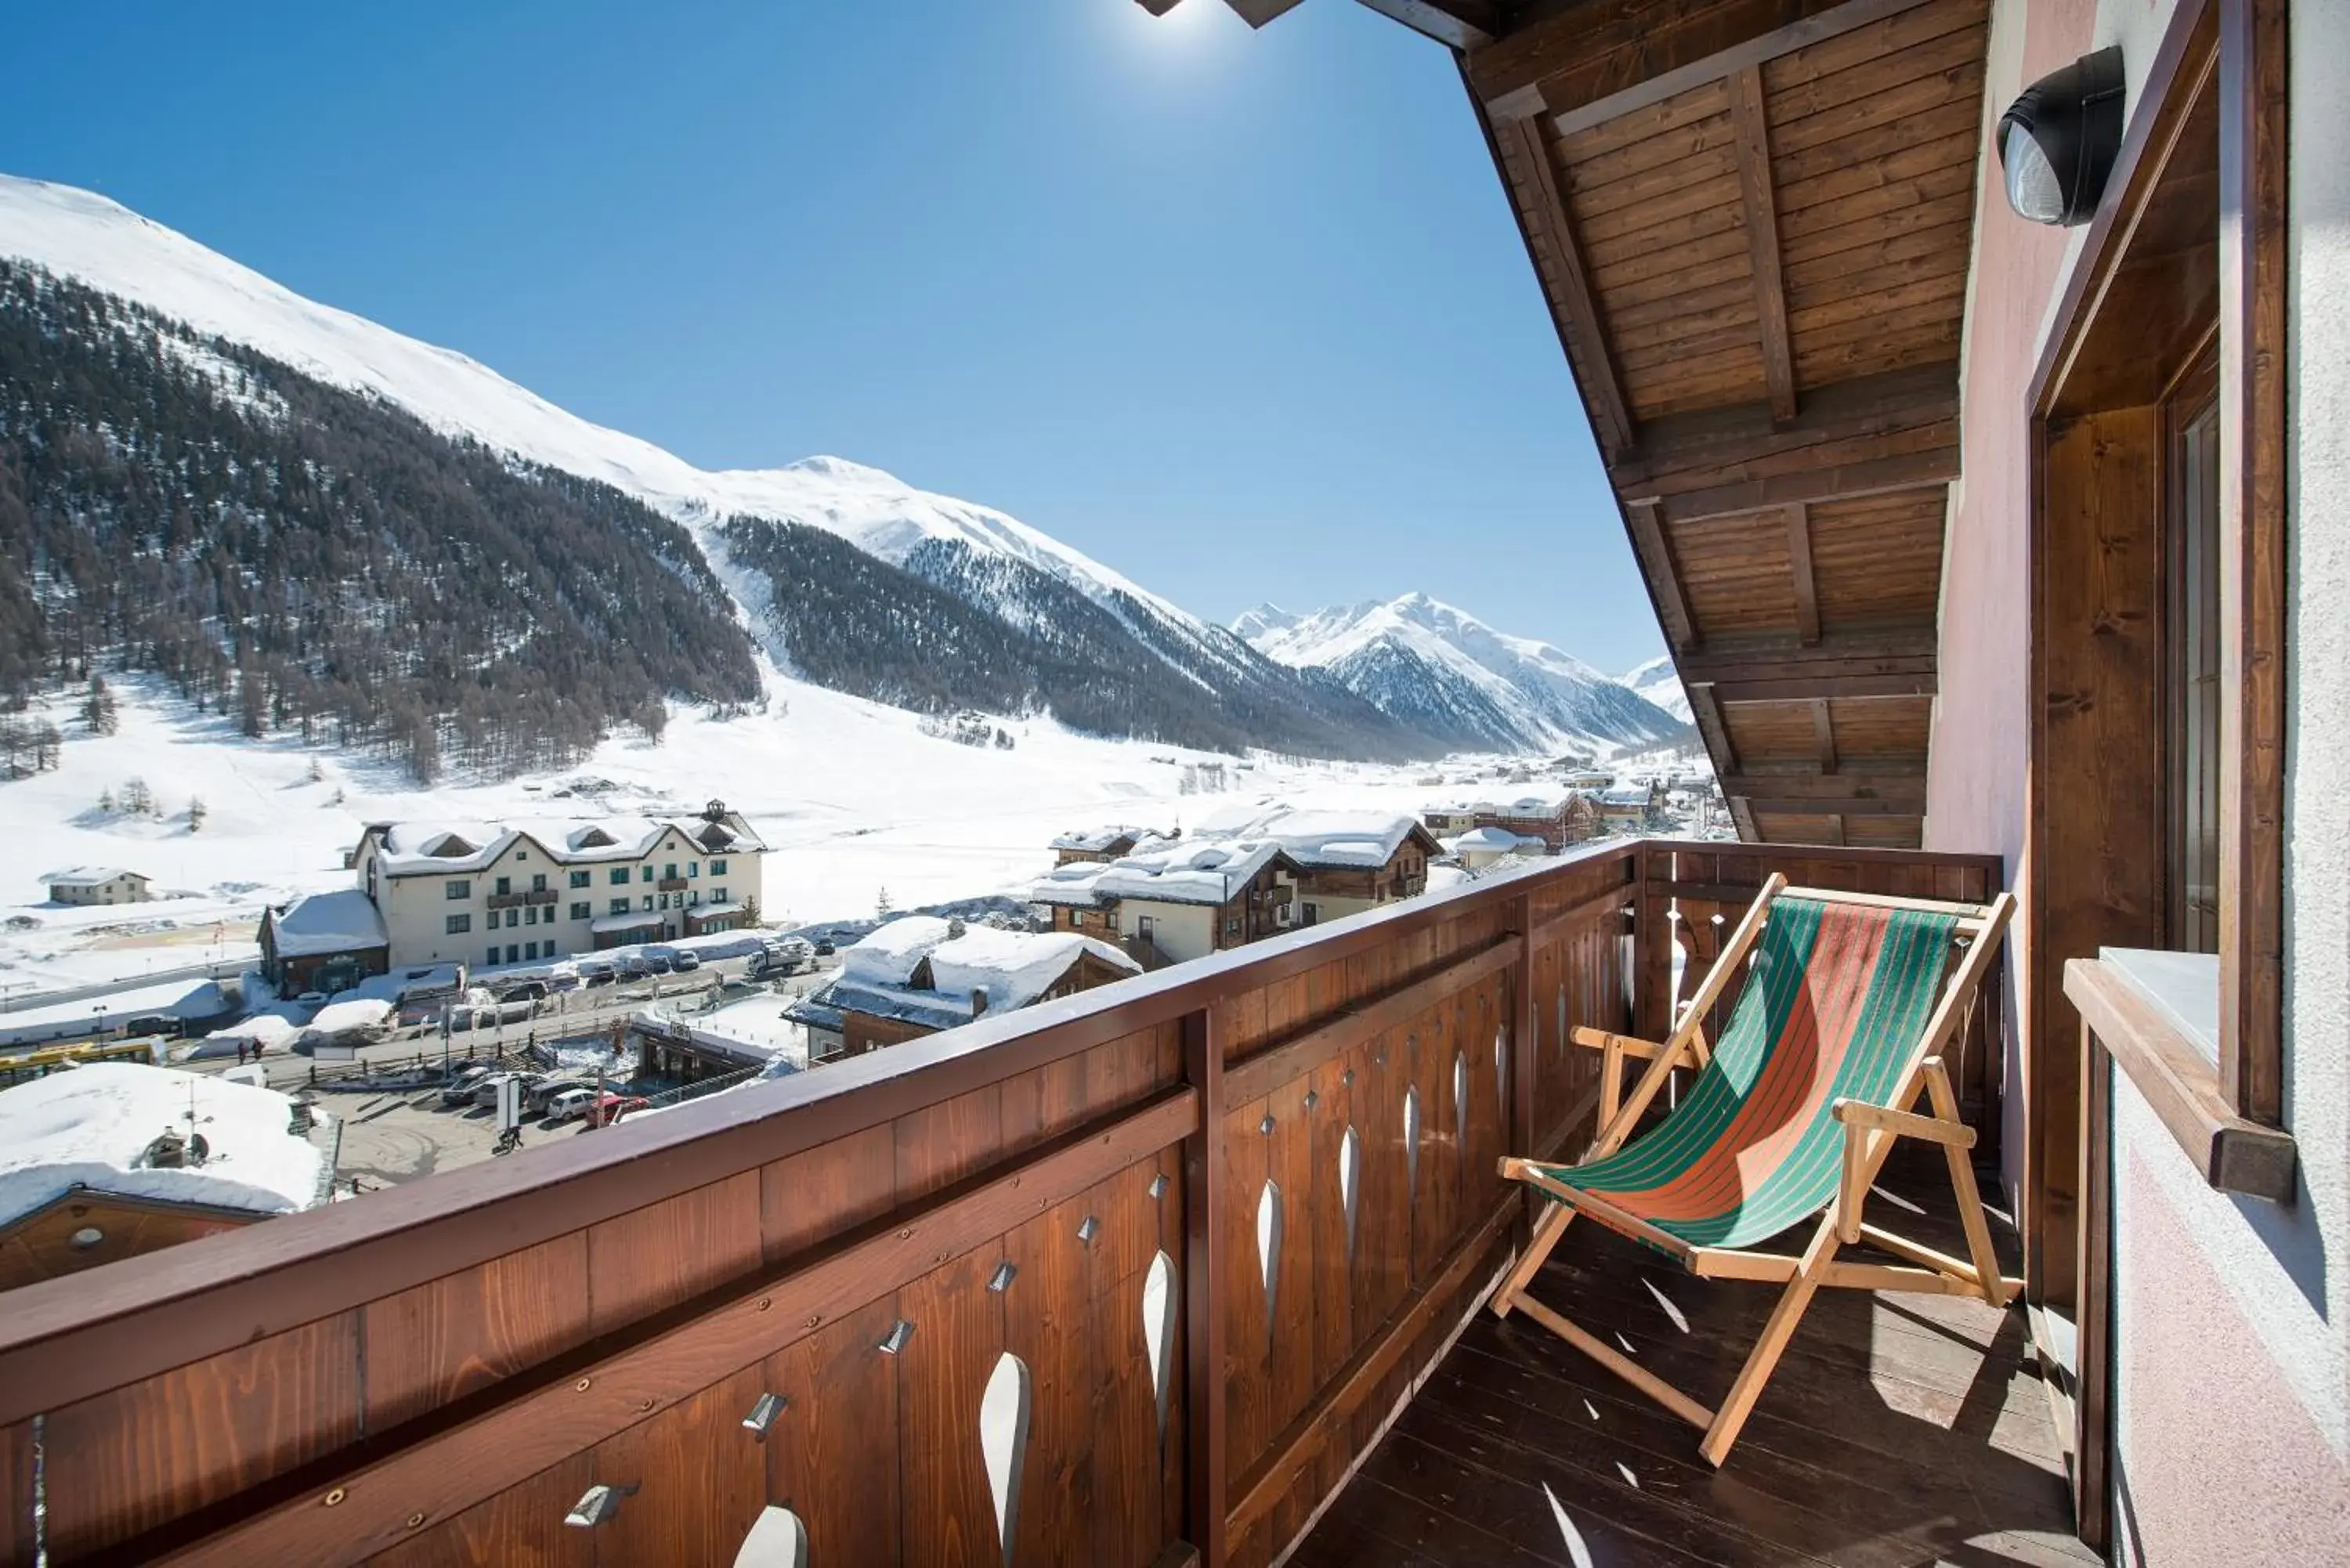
[1834,1008]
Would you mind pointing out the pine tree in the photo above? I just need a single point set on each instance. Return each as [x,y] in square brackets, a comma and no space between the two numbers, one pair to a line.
[97,708]
[196,813]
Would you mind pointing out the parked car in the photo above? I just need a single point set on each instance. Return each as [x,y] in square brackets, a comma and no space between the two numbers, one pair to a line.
[313,999]
[822,948]
[656,963]
[523,990]
[564,981]
[542,1095]
[461,1088]
[485,1093]
[598,971]
[612,1107]
[685,960]
[569,1105]
[636,966]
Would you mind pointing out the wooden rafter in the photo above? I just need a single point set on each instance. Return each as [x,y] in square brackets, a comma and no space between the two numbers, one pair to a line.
[1656,564]
[1570,286]
[1872,476]
[1904,791]
[1461,23]
[1823,734]
[1803,689]
[1707,668]
[1751,120]
[1799,561]
[1854,416]
[1588,64]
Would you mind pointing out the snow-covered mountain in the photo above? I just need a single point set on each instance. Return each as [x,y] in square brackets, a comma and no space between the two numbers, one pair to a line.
[1661,683]
[1439,669]
[1111,652]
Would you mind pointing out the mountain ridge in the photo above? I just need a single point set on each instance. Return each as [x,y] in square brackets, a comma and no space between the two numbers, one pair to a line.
[1429,664]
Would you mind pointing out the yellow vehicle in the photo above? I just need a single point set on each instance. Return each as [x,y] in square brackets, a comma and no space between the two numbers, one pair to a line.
[17,1069]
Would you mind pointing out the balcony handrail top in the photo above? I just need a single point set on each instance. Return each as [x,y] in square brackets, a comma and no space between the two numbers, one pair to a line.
[101,1329]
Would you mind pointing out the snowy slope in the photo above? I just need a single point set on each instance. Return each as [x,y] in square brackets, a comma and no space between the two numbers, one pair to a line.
[1661,683]
[84,235]
[1426,661]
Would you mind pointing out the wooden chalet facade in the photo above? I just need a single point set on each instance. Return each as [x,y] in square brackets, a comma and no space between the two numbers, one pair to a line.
[1557,816]
[1993,557]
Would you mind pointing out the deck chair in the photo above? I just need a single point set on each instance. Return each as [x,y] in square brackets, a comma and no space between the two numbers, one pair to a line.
[1839,1029]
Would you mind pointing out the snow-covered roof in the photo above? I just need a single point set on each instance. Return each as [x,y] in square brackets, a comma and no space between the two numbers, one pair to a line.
[1096,840]
[1013,968]
[440,848]
[1634,795]
[1529,801]
[92,1127]
[1491,838]
[1344,839]
[269,1028]
[339,922]
[87,875]
[1196,872]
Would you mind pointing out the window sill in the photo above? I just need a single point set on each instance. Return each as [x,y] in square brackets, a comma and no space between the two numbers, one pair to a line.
[2149,1042]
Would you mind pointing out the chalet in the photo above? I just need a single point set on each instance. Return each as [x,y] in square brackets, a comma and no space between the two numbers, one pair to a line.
[1099,844]
[921,974]
[96,885]
[114,1159]
[1968,376]
[499,893]
[1175,902]
[1481,848]
[1349,861]
[1628,808]
[1557,815]
[324,941]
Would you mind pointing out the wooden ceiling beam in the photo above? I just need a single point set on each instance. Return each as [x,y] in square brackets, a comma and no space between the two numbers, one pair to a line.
[1804,688]
[1806,806]
[1799,563]
[1844,481]
[1823,734]
[1462,25]
[1702,669]
[1859,411]
[1663,573]
[1898,789]
[1569,286]
[1587,64]
[1751,123]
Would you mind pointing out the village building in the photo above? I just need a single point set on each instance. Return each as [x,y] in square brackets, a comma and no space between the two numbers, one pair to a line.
[1628,808]
[502,893]
[920,974]
[1178,901]
[1557,815]
[324,941]
[114,1159]
[96,885]
[1349,861]
[1100,843]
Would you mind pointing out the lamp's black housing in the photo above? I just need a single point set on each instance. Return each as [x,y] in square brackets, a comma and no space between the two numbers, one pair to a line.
[2058,140]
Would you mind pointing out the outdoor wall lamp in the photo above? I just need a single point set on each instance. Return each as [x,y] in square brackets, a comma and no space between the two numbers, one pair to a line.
[2058,139]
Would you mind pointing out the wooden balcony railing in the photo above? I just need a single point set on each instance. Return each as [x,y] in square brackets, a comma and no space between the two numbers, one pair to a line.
[1202,1229]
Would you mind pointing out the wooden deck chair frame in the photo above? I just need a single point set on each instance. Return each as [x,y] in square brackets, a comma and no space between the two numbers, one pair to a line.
[1869,1131]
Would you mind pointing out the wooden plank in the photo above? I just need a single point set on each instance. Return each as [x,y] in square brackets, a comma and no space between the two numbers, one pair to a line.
[1260,1074]
[832,1456]
[700,1478]
[434,1343]
[136,1458]
[2232,1152]
[523,1524]
[1570,283]
[16,1531]
[2256,350]
[663,1253]
[2091,1438]
[1904,790]
[1799,555]
[1760,205]
[1048,1323]
[564,1413]
[1206,1265]
[1315,1429]
[1661,60]
[1892,652]
[946,1515]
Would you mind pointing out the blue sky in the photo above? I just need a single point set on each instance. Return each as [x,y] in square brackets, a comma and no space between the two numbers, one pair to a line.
[1242,315]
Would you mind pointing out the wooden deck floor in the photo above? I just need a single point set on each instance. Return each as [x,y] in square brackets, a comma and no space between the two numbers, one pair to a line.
[1900,1431]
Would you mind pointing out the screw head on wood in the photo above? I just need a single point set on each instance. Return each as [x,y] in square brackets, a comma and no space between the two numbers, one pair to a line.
[582,1384]
[334,1497]
[415,1520]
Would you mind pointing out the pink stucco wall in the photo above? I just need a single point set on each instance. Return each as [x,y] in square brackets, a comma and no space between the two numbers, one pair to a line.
[2219,1461]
